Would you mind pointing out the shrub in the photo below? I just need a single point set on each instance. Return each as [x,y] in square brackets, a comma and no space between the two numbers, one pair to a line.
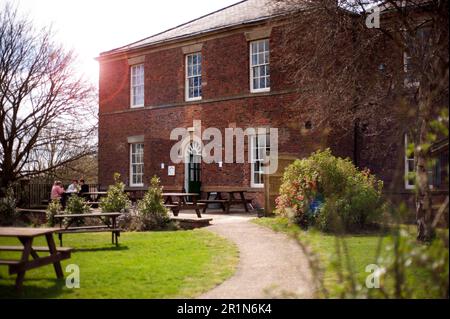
[53,209]
[330,193]
[77,205]
[116,200]
[8,208]
[152,212]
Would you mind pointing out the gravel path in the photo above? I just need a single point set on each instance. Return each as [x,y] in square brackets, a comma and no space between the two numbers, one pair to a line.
[270,264]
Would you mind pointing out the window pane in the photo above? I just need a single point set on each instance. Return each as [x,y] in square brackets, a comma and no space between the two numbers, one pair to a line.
[254,47]
[262,83]
[193,80]
[260,46]
[256,72]
[256,178]
[259,60]
[254,59]
[137,84]
[255,84]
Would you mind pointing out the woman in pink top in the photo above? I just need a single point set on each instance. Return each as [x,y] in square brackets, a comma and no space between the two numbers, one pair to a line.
[57,190]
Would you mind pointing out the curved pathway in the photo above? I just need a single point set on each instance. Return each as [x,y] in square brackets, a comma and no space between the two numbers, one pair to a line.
[270,264]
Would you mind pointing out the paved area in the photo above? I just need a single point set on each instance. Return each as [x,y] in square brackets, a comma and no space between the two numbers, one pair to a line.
[270,265]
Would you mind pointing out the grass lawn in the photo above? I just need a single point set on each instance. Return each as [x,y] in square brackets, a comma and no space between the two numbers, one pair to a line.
[175,264]
[362,251]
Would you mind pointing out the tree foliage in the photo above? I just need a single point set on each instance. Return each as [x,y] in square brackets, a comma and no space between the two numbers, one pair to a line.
[366,81]
[46,108]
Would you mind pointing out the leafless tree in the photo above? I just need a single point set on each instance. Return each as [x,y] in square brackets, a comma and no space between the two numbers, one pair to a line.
[46,108]
[354,70]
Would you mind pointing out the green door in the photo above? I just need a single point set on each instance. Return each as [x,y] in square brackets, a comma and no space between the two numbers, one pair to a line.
[194,173]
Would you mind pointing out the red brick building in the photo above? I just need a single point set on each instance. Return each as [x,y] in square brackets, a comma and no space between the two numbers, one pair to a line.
[221,69]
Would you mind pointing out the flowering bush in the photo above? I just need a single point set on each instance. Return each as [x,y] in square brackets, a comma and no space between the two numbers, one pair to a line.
[116,200]
[330,193]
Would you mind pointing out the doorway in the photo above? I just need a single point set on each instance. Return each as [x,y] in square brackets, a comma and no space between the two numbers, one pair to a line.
[193,168]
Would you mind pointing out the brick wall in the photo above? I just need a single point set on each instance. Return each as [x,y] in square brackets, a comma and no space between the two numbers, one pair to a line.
[226,102]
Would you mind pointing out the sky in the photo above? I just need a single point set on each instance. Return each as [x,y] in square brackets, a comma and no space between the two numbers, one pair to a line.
[90,27]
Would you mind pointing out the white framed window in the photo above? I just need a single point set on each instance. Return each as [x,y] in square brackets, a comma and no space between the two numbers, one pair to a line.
[137,85]
[259,148]
[194,76]
[136,164]
[259,66]
[433,169]
[408,67]
[410,166]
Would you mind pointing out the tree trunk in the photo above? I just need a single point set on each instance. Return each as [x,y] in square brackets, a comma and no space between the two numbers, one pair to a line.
[424,207]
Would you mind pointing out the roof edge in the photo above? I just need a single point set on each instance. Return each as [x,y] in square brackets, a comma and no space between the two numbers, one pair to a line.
[170,29]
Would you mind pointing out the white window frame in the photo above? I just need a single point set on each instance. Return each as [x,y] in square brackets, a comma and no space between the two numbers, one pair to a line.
[430,171]
[407,82]
[408,185]
[132,164]
[252,89]
[254,160]
[133,69]
[187,77]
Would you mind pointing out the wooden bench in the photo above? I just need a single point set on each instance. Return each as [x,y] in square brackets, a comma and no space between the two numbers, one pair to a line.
[181,201]
[175,207]
[30,210]
[107,227]
[32,215]
[35,248]
[26,236]
[223,203]
[235,196]
[63,251]
[93,203]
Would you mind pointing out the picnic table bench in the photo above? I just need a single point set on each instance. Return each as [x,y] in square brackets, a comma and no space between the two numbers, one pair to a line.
[108,226]
[235,195]
[26,236]
[179,201]
[93,198]
[30,210]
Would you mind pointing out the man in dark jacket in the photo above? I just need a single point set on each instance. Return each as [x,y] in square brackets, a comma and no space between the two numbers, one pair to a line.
[84,188]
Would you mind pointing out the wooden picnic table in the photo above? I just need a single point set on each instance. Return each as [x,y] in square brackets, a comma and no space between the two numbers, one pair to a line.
[231,199]
[94,196]
[26,236]
[104,217]
[179,201]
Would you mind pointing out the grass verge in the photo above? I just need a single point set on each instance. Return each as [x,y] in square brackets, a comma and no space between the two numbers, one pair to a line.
[172,264]
[362,251]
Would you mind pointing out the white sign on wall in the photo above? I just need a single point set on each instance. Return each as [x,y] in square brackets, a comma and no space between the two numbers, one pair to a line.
[171,170]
